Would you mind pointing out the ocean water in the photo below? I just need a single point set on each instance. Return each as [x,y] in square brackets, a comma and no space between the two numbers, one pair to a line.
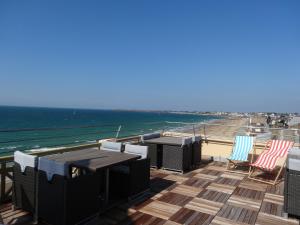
[26,128]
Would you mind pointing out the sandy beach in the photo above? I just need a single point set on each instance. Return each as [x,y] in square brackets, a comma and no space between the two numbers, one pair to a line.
[225,128]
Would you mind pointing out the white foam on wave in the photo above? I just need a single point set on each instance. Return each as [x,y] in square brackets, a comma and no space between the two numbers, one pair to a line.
[11,147]
[176,122]
[44,149]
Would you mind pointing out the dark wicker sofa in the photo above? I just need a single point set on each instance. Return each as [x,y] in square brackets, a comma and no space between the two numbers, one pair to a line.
[178,158]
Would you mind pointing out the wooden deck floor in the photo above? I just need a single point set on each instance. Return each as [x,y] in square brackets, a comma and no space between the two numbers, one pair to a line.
[208,195]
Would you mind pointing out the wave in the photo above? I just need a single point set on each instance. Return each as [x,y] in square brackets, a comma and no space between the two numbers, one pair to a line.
[11,147]
[44,149]
[177,122]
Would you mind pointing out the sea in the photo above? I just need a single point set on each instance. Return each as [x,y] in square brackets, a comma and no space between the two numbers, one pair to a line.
[32,128]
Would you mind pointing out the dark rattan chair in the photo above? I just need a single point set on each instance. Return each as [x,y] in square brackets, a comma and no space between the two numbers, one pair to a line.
[133,178]
[292,183]
[24,181]
[176,157]
[197,150]
[154,150]
[154,154]
[66,200]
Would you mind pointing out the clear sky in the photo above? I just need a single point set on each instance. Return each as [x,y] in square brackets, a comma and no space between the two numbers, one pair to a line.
[227,55]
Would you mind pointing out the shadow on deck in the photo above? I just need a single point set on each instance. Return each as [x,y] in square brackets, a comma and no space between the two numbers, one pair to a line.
[207,195]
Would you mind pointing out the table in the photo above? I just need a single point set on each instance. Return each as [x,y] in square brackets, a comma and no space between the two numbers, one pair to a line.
[155,146]
[94,160]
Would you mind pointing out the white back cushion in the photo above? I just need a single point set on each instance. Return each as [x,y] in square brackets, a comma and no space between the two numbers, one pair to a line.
[186,141]
[149,136]
[51,167]
[111,146]
[25,160]
[137,150]
[196,138]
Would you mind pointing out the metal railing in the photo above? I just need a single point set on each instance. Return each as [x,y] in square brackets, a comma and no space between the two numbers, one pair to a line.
[216,131]
[262,134]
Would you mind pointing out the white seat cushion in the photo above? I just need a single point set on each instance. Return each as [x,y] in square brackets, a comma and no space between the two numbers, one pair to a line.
[25,160]
[111,146]
[137,150]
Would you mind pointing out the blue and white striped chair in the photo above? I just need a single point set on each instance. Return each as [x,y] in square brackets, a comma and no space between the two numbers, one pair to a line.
[242,146]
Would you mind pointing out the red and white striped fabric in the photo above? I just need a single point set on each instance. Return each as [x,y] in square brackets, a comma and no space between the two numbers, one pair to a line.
[277,149]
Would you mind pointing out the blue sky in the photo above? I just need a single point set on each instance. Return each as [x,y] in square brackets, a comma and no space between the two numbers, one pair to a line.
[159,54]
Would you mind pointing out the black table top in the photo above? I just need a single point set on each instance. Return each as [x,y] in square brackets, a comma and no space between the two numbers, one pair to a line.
[165,141]
[93,159]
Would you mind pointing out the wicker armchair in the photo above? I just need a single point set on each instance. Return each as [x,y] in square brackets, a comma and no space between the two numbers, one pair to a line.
[133,178]
[154,150]
[196,150]
[292,183]
[24,181]
[154,154]
[67,200]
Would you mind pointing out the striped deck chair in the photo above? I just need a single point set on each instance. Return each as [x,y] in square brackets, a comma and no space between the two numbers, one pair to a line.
[267,160]
[240,151]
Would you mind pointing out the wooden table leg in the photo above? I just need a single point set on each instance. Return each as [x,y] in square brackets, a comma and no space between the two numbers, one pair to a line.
[106,186]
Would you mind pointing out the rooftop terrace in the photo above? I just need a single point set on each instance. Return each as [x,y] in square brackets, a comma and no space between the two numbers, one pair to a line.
[207,195]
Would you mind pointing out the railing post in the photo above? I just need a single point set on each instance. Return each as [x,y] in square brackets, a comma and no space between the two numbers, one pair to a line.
[3,181]
[296,134]
[118,131]
[281,134]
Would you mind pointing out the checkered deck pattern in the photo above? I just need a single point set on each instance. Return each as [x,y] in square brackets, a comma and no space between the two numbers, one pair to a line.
[208,195]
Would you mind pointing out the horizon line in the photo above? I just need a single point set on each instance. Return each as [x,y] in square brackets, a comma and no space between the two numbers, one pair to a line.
[140,110]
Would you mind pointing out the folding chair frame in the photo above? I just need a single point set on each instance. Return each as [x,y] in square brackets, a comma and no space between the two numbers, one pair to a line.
[252,169]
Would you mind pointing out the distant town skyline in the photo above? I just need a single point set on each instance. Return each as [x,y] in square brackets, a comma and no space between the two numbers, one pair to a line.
[232,56]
